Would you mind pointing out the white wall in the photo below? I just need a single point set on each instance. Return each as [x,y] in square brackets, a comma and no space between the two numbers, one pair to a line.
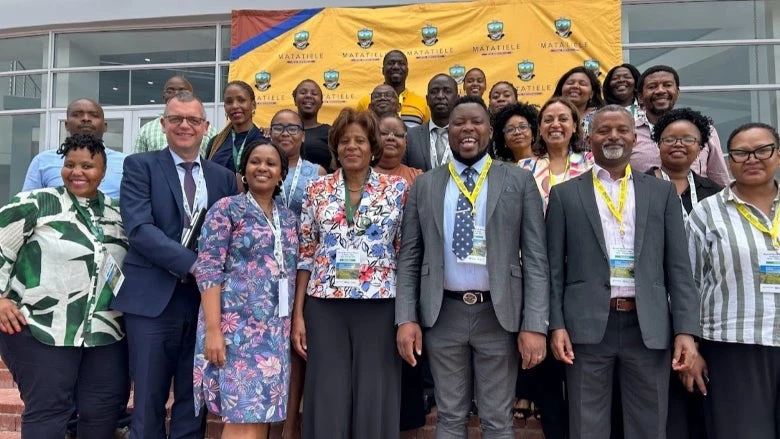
[22,15]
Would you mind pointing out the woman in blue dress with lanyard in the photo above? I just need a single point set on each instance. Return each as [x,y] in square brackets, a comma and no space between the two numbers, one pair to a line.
[287,132]
[226,147]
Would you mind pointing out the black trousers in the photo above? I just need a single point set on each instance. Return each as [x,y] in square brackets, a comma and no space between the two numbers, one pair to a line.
[744,390]
[51,377]
[353,370]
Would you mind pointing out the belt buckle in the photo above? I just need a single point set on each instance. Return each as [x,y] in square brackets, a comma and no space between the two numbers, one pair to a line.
[619,301]
[470,298]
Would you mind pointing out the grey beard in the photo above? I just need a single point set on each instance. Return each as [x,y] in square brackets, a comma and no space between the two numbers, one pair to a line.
[613,154]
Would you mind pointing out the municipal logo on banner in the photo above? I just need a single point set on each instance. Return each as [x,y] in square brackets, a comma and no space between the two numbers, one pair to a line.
[495,30]
[593,65]
[458,73]
[525,70]
[365,38]
[262,80]
[301,40]
[563,27]
[430,35]
[331,78]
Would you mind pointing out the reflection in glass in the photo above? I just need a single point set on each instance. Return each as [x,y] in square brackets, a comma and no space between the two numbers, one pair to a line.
[225,38]
[147,85]
[22,92]
[108,88]
[24,53]
[19,142]
[135,47]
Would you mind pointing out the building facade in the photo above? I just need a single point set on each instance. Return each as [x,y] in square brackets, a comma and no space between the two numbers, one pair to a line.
[53,52]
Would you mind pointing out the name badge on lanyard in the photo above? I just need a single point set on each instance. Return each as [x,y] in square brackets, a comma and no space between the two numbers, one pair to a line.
[287,198]
[276,228]
[478,253]
[621,267]
[769,271]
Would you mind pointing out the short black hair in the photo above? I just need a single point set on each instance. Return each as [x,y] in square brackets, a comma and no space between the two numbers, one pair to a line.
[80,141]
[471,100]
[596,100]
[609,95]
[511,87]
[750,126]
[656,69]
[282,157]
[699,120]
[387,55]
[528,111]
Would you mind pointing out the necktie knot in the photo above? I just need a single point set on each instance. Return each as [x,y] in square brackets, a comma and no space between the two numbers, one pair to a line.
[468,177]
[187,166]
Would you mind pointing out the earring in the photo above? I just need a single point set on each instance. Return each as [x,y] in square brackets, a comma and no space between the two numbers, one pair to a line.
[243,180]
[372,157]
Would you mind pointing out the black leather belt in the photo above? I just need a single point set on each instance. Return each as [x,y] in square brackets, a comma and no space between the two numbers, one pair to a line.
[468,297]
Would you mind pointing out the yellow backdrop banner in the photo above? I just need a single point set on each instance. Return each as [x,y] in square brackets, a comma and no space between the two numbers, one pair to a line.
[529,43]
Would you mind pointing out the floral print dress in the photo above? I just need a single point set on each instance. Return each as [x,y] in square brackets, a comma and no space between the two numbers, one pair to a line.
[236,252]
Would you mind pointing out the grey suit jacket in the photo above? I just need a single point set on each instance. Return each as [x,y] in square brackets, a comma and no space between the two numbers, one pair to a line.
[514,222]
[579,263]
[418,147]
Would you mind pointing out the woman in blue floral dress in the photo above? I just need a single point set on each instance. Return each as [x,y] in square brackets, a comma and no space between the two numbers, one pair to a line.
[246,272]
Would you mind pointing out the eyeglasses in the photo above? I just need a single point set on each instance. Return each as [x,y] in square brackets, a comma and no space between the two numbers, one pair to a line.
[509,129]
[291,129]
[178,120]
[398,135]
[763,152]
[686,141]
[385,95]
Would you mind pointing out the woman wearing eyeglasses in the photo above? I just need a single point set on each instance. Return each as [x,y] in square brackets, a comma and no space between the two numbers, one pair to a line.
[226,147]
[735,254]
[392,135]
[514,131]
[679,134]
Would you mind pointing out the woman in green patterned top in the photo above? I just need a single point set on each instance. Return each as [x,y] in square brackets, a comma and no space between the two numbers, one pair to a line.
[60,253]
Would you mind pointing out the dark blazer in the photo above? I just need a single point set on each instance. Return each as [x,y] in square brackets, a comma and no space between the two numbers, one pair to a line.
[579,263]
[418,147]
[153,215]
[704,188]
[519,288]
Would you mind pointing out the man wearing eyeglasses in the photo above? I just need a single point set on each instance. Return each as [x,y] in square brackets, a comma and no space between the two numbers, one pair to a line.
[384,101]
[429,145]
[659,88]
[151,136]
[395,69]
[163,192]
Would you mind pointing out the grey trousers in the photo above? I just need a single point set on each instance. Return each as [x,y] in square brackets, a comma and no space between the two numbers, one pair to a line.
[353,370]
[644,383]
[460,331]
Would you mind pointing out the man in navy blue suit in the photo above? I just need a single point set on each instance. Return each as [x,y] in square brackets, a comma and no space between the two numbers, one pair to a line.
[161,192]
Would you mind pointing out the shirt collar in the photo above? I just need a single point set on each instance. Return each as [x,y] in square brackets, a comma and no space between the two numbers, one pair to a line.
[432,126]
[178,160]
[603,174]
[728,192]
[460,167]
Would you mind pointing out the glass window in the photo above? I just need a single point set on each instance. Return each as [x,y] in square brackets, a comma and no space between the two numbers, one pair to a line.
[135,47]
[147,85]
[22,92]
[24,53]
[694,21]
[19,142]
[730,109]
[224,79]
[113,88]
[721,65]
[112,138]
[225,56]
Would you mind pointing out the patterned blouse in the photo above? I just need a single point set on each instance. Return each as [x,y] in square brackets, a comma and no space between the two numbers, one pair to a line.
[50,261]
[376,235]
[579,163]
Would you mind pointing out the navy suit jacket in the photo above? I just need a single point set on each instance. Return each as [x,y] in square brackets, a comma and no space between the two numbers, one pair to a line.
[153,215]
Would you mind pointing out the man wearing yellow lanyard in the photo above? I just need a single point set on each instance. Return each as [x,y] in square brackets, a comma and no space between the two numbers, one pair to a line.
[460,276]
[618,260]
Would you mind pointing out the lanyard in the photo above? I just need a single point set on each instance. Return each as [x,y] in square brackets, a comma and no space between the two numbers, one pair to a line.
[617,212]
[691,188]
[446,155]
[745,212]
[471,196]
[92,224]
[276,228]
[237,154]
[552,176]
[199,186]
[296,175]
[348,201]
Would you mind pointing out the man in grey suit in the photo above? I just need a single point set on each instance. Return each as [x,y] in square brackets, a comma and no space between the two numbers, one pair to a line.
[618,264]
[428,144]
[460,276]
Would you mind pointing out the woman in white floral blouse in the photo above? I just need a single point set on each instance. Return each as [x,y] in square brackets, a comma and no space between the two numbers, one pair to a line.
[343,320]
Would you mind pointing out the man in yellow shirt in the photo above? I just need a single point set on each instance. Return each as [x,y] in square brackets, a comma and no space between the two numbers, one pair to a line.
[395,69]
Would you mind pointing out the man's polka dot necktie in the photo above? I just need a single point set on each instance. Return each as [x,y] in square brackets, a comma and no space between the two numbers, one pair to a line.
[463,234]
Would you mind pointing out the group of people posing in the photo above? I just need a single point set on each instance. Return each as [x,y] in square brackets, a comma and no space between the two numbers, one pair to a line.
[592,257]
